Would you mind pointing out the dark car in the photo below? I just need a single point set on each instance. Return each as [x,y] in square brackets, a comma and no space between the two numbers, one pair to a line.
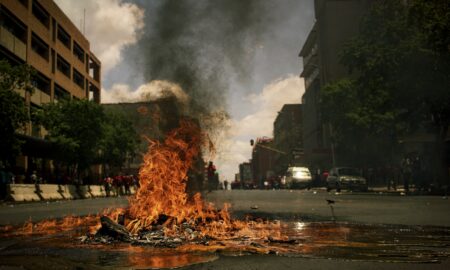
[346,178]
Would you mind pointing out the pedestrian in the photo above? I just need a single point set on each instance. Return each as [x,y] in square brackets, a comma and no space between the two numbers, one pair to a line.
[406,172]
[34,178]
[106,185]
[211,171]
[225,183]
[127,182]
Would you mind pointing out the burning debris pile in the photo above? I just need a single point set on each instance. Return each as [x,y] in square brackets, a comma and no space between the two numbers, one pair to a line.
[161,214]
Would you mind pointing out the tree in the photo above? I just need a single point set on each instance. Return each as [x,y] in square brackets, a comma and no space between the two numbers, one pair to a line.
[399,65]
[120,140]
[13,111]
[75,126]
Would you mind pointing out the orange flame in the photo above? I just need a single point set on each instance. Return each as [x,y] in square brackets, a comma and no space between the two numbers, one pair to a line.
[162,193]
[163,178]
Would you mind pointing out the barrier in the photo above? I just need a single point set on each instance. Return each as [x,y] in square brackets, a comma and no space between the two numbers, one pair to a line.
[70,192]
[97,191]
[31,192]
[23,192]
[84,192]
[50,192]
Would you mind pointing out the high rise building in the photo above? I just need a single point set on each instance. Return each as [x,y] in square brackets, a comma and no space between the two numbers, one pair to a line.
[336,22]
[38,33]
[287,137]
[263,160]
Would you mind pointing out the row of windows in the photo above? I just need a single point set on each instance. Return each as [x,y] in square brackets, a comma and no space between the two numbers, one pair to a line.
[61,64]
[43,83]
[58,32]
[19,29]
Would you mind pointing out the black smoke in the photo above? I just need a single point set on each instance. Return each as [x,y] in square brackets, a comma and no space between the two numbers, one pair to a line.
[202,45]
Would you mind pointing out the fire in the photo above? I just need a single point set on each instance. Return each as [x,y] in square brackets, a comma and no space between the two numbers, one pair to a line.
[162,191]
[161,202]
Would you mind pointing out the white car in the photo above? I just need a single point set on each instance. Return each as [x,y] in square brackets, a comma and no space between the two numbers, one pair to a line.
[346,178]
[298,177]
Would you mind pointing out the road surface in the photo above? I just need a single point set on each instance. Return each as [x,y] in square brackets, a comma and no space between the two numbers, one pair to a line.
[305,206]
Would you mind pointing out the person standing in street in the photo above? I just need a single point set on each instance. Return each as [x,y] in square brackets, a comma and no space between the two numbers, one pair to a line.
[211,171]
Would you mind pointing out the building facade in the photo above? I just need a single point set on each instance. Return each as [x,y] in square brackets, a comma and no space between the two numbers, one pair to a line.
[245,175]
[337,21]
[38,33]
[263,161]
[288,138]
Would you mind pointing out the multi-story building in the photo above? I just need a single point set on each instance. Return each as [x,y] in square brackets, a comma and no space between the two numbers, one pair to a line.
[38,33]
[336,22]
[288,139]
[245,175]
[263,160]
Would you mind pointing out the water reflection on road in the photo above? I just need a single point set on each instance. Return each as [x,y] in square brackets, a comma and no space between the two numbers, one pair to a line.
[351,241]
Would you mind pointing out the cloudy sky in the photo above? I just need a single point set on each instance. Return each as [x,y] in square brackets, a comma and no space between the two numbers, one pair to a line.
[223,55]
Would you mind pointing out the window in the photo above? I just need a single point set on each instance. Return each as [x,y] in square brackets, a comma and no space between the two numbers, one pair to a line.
[63,66]
[41,14]
[64,37]
[94,93]
[94,70]
[61,93]
[39,46]
[78,79]
[42,83]
[12,24]
[78,51]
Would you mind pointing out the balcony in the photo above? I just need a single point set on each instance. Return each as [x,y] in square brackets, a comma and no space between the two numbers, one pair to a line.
[38,97]
[12,43]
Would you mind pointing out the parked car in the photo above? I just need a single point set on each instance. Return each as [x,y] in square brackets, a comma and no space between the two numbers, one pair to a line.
[346,178]
[298,177]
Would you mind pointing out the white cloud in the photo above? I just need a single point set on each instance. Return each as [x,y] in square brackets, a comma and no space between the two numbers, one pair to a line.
[235,146]
[110,26]
[147,92]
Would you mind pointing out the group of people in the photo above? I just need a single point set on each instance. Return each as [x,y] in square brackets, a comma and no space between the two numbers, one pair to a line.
[120,184]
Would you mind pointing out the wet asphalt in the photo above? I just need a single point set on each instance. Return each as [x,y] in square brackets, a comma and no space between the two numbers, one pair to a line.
[306,205]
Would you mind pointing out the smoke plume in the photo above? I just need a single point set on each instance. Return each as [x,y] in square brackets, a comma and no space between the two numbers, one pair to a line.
[201,46]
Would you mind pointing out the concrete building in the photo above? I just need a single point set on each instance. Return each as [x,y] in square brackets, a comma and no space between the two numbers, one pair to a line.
[263,161]
[245,175]
[287,132]
[38,33]
[336,22]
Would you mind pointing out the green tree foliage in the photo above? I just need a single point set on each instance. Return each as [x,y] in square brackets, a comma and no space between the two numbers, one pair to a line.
[399,65]
[86,135]
[120,140]
[76,127]
[13,112]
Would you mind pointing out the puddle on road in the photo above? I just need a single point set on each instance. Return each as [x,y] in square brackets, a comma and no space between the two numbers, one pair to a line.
[383,243]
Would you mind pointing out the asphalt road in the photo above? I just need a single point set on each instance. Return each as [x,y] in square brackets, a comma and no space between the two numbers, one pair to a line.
[15,214]
[277,204]
[312,205]
[372,208]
